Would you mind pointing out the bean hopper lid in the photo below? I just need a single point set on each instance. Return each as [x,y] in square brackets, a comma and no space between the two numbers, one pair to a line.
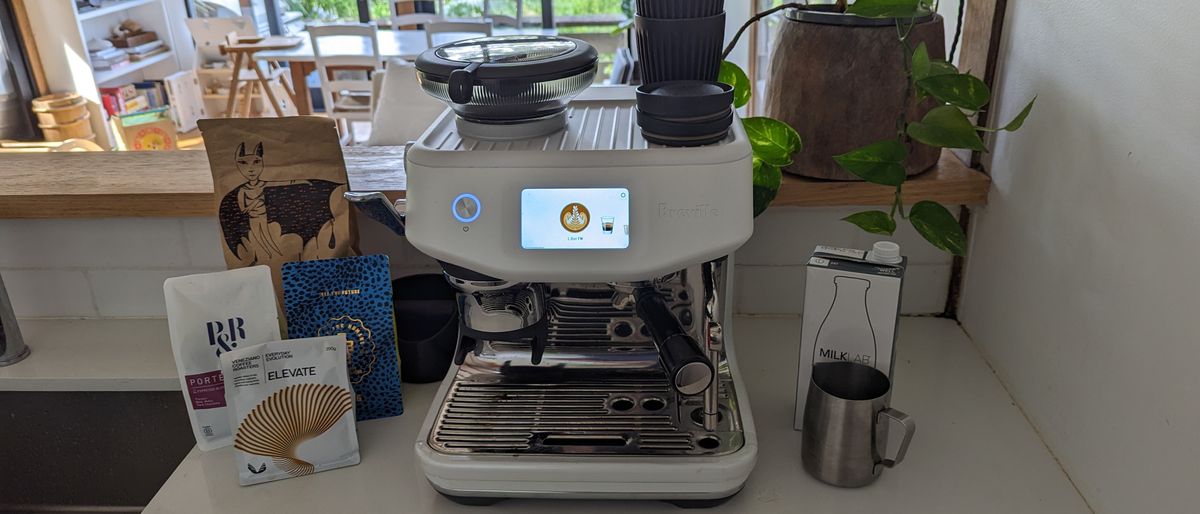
[530,57]
[494,84]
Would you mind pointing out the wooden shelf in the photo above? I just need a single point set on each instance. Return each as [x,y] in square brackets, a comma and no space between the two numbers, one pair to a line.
[105,76]
[138,184]
[143,184]
[112,7]
[949,182]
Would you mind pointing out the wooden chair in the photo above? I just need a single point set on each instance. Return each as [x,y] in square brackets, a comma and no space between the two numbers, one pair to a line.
[346,74]
[504,19]
[480,28]
[399,20]
[248,79]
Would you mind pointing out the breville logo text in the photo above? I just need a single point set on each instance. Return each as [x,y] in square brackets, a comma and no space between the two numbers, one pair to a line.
[700,210]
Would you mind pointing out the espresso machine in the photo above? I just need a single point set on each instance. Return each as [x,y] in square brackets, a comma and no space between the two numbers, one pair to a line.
[595,280]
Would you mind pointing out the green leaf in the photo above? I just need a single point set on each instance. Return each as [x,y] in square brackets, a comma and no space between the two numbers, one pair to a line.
[947,127]
[875,222]
[1020,119]
[920,62]
[622,26]
[733,75]
[886,8]
[938,226]
[767,179]
[772,141]
[958,89]
[877,163]
[941,68]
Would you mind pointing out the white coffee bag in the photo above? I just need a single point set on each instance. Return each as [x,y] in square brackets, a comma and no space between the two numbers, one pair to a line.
[293,409]
[210,314]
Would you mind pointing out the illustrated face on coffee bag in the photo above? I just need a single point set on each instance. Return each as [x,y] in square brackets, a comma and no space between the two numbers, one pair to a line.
[279,185]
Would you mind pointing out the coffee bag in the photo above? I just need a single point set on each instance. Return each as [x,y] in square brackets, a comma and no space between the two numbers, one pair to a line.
[293,408]
[351,296]
[279,185]
[207,315]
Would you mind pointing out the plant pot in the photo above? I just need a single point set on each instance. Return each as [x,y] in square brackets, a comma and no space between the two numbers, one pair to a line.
[839,80]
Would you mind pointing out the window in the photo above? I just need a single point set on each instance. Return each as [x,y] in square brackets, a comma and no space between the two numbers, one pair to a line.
[323,10]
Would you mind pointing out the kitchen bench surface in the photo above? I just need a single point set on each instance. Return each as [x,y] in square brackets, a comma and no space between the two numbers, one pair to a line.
[973,451]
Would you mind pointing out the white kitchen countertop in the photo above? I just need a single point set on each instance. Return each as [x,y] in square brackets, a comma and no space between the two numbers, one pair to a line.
[93,355]
[973,450]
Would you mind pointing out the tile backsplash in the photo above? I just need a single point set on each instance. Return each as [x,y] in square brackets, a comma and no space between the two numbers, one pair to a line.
[87,268]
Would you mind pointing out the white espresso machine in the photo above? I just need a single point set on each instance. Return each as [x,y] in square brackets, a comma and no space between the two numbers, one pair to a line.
[595,278]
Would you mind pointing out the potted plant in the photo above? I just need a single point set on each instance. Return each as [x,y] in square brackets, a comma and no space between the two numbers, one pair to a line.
[873,121]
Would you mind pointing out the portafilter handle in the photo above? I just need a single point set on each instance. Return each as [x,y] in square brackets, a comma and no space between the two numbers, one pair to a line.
[689,370]
[377,207]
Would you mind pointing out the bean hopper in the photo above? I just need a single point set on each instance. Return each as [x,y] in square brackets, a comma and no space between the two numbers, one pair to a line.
[594,278]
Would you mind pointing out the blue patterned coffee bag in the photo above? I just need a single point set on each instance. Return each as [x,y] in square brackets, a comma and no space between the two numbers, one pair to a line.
[350,296]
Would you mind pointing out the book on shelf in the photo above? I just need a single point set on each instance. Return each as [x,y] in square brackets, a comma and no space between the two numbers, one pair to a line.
[145,47]
[147,55]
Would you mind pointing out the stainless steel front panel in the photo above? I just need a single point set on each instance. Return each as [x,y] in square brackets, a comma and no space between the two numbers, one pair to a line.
[599,389]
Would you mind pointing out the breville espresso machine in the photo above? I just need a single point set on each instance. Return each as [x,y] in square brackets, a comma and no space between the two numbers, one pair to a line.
[594,277]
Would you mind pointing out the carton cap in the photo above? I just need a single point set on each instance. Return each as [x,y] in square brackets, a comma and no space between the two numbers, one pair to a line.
[884,252]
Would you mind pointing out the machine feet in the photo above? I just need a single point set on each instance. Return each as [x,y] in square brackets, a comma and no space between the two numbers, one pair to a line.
[701,504]
[476,501]
[472,501]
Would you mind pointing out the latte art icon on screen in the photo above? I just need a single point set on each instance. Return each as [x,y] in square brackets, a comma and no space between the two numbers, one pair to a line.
[575,217]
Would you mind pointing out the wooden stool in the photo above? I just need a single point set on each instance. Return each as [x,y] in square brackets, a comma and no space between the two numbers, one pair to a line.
[242,49]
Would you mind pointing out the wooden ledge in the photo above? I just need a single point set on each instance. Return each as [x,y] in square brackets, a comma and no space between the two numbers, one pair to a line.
[950,182]
[145,184]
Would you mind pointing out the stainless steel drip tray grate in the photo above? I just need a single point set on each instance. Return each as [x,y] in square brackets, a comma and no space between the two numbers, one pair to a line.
[630,416]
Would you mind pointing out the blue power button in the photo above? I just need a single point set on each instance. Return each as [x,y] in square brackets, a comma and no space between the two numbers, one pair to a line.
[466,208]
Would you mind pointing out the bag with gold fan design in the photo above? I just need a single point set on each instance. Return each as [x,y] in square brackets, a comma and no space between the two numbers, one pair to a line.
[292,408]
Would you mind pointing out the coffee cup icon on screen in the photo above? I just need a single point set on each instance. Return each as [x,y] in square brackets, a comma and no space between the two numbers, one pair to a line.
[606,223]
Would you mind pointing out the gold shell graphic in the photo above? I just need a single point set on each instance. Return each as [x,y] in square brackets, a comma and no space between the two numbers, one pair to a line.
[575,217]
[289,417]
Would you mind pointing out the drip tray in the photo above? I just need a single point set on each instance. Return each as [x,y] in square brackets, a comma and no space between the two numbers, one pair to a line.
[628,416]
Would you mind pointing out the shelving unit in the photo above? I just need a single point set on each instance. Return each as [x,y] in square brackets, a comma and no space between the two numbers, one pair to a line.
[61,33]
[105,76]
[112,7]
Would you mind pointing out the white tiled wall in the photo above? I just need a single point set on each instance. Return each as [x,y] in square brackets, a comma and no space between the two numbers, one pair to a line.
[116,267]
[98,267]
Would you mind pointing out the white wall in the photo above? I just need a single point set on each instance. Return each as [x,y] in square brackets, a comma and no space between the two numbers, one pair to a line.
[1082,278]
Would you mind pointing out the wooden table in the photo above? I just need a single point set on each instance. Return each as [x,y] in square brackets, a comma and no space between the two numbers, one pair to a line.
[403,44]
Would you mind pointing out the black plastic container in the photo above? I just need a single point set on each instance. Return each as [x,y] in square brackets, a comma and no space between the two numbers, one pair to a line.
[684,99]
[666,140]
[675,9]
[426,326]
[685,128]
[679,49]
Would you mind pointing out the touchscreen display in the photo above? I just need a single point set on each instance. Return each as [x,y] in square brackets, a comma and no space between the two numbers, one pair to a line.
[575,219]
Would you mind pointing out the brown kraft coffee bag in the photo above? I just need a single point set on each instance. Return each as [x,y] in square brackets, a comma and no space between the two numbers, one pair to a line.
[279,185]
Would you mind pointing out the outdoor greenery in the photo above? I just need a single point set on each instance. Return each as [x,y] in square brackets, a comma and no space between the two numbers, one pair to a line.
[948,125]
[348,9]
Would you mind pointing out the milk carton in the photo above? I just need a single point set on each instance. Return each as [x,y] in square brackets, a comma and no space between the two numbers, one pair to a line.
[851,310]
